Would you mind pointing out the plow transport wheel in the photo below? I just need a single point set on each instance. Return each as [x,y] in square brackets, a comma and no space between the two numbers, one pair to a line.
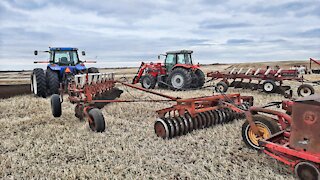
[56,105]
[97,122]
[221,87]
[265,125]
[307,170]
[305,90]
[269,86]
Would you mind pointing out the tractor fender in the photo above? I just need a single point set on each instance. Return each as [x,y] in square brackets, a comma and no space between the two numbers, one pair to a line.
[54,67]
[185,66]
[80,67]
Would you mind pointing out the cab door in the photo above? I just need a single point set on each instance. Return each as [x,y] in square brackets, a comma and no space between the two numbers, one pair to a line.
[170,61]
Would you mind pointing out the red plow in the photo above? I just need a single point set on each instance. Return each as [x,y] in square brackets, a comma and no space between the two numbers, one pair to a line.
[268,80]
[92,91]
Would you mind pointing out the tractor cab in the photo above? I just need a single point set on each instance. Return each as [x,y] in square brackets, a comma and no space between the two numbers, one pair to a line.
[182,57]
[64,56]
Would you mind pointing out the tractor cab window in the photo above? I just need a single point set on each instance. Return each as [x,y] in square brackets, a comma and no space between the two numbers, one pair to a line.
[170,59]
[65,57]
[184,59]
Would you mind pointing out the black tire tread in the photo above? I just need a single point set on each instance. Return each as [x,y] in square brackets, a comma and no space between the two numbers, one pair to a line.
[56,105]
[98,119]
[185,72]
[53,82]
[41,82]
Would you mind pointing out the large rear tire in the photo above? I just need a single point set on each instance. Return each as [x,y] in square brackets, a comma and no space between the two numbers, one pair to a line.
[148,81]
[265,125]
[180,78]
[97,123]
[38,83]
[93,70]
[53,82]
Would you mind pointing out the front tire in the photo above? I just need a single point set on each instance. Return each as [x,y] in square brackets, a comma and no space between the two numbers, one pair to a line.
[97,122]
[38,83]
[180,78]
[148,81]
[265,125]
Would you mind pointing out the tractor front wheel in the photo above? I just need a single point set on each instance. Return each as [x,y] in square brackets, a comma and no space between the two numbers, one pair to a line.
[53,81]
[96,121]
[180,78]
[38,83]
[148,81]
[266,127]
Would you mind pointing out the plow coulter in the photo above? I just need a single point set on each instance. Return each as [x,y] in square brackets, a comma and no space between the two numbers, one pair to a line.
[91,92]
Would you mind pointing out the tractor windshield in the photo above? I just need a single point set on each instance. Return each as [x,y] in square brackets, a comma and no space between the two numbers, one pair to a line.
[66,57]
[184,59]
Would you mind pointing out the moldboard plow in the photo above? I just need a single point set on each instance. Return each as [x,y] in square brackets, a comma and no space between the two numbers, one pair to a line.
[268,80]
[90,92]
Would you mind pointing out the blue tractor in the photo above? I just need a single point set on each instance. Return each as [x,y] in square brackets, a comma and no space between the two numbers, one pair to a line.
[63,64]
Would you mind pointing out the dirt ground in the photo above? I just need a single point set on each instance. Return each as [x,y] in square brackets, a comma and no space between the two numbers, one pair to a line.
[35,145]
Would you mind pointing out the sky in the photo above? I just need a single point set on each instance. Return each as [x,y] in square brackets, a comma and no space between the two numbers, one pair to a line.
[126,32]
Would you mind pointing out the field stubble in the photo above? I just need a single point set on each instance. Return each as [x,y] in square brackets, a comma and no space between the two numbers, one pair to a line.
[36,145]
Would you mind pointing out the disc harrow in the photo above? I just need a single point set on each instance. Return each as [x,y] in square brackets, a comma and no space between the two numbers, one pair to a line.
[200,113]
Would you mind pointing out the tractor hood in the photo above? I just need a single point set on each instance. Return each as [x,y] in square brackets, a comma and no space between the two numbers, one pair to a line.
[56,67]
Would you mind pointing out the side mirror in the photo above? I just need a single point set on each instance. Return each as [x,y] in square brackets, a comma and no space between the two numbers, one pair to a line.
[83,53]
[158,57]
[35,52]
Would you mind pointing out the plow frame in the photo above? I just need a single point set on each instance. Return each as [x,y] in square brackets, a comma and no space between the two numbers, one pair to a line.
[278,146]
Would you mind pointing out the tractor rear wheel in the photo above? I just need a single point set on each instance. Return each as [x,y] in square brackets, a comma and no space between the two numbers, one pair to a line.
[180,78]
[38,83]
[269,86]
[53,82]
[305,90]
[201,77]
[93,70]
[96,121]
[148,81]
[56,105]
[265,125]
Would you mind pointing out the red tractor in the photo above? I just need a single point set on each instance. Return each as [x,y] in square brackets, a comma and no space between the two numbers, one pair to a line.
[177,72]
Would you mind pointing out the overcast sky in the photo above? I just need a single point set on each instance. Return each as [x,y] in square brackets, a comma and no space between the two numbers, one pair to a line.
[125,32]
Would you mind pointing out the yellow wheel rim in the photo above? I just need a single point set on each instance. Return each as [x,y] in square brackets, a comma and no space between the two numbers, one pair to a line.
[263,129]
